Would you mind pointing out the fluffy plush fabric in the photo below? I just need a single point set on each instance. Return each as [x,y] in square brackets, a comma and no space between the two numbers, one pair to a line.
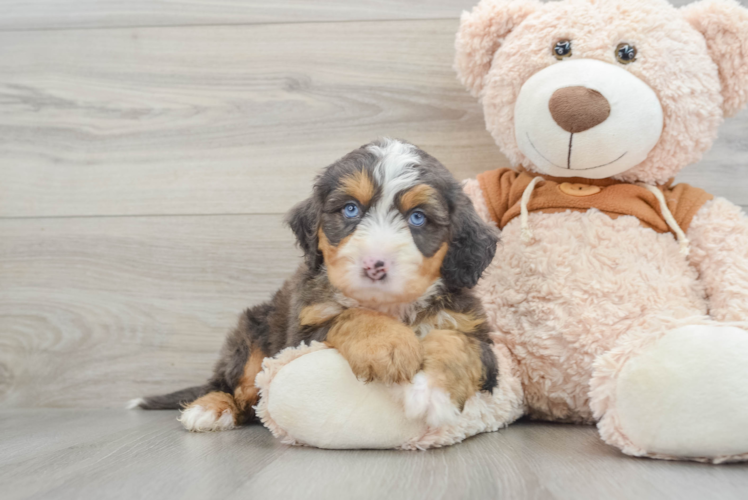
[724,24]
[719,250]
[608,321]
[568,296]
[673,59]
[309,396]
[481,33]
[674,389]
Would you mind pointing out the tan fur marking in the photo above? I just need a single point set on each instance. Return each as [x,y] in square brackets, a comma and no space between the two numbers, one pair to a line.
[360,186]
[448,320]
[467,323]
[419,195]
[428,273]
[377,346]
[319,314]
[452,362]
[246,393]
[336,268]
[218,402]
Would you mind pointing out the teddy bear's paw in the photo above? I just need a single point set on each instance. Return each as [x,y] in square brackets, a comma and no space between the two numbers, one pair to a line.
[683,395]
[424,400]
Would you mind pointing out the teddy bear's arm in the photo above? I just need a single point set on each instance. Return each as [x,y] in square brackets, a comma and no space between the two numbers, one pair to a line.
[719,251]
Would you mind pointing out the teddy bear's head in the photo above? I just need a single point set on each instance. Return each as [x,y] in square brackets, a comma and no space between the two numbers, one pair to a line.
[629,89]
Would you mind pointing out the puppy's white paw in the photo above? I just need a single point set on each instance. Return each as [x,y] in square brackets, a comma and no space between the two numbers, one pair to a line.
[423,400]
[199,419]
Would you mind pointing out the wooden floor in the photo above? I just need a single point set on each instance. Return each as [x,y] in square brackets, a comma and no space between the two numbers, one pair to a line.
[112,454]
[148,151]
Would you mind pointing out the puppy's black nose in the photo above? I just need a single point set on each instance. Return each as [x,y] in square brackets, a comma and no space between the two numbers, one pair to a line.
[375,268]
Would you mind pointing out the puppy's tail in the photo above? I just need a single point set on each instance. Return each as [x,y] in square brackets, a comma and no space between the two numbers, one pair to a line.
[172,401]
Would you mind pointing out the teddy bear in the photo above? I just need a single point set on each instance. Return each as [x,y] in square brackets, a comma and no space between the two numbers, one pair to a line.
[616,297]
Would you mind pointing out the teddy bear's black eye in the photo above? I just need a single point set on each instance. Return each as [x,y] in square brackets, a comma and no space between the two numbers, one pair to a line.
[625,53]
[562,49]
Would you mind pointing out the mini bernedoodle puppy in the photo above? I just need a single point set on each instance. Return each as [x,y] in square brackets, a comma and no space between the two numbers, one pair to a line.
[392,246]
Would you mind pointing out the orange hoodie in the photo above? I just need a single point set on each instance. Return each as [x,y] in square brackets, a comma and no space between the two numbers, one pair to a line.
[503,189]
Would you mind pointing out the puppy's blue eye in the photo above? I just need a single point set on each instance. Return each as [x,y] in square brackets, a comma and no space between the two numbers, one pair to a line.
[417,219]
[351,210]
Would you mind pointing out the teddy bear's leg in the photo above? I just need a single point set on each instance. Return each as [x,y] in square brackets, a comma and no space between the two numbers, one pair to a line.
[317,400]
[310,395]
[680,393]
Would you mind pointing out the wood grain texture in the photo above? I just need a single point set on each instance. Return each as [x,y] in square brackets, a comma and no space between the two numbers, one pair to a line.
[96,311]
[239,119]
[67,14]
[116,454]
[219,119]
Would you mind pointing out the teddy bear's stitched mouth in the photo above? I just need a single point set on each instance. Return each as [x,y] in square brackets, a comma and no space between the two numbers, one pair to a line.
[569,156]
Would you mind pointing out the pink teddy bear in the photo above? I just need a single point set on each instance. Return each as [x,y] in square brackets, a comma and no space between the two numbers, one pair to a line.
[615,297]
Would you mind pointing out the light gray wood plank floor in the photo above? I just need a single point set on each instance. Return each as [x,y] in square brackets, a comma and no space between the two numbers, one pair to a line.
[117,454]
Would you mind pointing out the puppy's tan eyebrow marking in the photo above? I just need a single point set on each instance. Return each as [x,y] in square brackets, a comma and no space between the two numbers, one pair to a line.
[421,194]
[360,186]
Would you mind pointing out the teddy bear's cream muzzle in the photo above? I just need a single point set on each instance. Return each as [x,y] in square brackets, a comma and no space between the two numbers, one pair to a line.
[586,118]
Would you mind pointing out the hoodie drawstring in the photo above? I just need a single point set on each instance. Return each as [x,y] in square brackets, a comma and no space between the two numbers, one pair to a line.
[524,216]
[668,215]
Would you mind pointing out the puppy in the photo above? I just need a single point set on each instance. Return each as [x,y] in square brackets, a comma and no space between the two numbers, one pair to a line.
[391,246]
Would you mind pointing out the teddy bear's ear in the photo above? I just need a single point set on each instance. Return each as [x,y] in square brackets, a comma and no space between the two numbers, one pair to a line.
[481,33]
[724,24]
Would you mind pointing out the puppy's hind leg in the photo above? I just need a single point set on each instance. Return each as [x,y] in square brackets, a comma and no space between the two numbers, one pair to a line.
[231,403]
[216,411]
[227,399]
[246,393]
[219,411]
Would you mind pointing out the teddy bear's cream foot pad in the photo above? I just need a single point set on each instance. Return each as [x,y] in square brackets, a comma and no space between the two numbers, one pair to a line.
[687,394]
[318,397]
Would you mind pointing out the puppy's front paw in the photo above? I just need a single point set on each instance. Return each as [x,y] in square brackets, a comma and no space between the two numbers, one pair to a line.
[377,346]
[215,411]
[452,374]
[387,360]
[424,400]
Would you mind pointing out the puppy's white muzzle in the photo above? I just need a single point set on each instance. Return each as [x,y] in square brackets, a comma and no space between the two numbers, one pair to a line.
[620,118]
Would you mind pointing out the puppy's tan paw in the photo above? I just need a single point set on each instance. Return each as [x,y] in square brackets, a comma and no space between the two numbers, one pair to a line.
[392,360]
[377,346]
[213,412]
[451,360]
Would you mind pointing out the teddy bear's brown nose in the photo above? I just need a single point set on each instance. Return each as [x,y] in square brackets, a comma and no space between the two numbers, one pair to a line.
[577,109]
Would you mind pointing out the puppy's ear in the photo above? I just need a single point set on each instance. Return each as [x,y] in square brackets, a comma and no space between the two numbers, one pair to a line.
[304,221]
[482,32]
[724,24]
[471,249]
